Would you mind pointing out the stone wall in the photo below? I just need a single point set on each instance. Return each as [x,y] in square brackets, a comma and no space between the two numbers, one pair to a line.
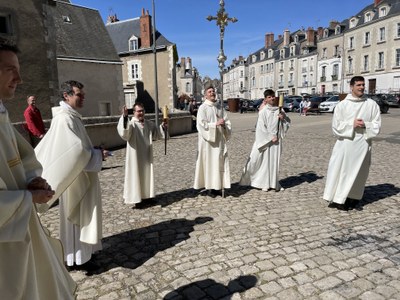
[103,130]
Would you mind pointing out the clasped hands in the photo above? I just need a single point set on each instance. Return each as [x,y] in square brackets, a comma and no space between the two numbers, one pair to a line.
[359,123]
[41,191]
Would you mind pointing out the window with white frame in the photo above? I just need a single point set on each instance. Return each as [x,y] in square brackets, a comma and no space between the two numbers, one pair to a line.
[135,70]
[366,63]
[241,73]
[367,17]
[367,38]
[291,64]
[337,29]
[262,55]
[188,87]
[396,82]
[398,30]
[282,53]
[282,65]
[397,58]
[133,43]
[290,77]
[382,34]
[381,60]
[336,51]
[353,22]
[305,83]
[323,71]
[254,58]
[281,80]
[382,12]
[350,65]
[253,82]
[292,50]
[326,33]
[270,53]
[351,42]
[262,69]
[324,53]
[335,70]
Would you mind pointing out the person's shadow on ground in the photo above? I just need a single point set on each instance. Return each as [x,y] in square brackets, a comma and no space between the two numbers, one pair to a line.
[210,289]
[133,248]
[377,192]
[292,181]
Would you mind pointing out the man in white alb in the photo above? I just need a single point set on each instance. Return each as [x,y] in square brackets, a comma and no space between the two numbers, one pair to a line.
[72,164]
[214,130]
[356,121]
[31,261]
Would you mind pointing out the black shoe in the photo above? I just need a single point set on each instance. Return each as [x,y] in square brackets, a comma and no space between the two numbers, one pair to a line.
[332,205]
[216,192]
[89,266]
[344,207]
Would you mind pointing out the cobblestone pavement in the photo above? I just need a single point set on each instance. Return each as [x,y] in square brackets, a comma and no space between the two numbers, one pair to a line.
[251,244]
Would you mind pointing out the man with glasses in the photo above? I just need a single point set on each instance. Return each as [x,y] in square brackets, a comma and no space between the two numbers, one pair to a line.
[139,134]
[72,164]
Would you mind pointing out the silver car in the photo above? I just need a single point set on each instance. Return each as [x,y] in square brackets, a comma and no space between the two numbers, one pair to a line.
[329,105]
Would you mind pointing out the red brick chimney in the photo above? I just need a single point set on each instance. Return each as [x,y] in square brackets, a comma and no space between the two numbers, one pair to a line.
[320,32]
[310,36]
[145,29]
[376,2]
[269,39]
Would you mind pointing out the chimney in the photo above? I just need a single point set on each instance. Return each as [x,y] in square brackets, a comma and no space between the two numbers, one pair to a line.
[376,2]
[279,36]
[332,24]
[286,37]
[145,29]
[310,36]
[269,39]
[320,32]
[182,62]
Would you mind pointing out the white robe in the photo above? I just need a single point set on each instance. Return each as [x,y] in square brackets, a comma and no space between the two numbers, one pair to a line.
[351,156]
[262,168]
[71,165]
[139,173]
[212,165]
[31,262]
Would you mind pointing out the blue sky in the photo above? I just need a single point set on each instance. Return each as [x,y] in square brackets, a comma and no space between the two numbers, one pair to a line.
[184,23]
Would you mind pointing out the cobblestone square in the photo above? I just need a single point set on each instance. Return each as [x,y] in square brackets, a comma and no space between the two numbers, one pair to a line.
[251,244]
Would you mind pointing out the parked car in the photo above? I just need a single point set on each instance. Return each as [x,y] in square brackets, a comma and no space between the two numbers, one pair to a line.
[329,104]
[255,104]
[315,102]
[291,103]
[381,101]
[393,100]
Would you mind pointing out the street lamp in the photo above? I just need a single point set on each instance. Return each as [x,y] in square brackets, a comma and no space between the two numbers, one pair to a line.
[155,64]
[222,21]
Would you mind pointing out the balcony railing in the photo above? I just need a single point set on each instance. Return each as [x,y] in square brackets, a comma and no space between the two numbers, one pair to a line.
[290,83]
[334,77]
[280,84]
[323,79]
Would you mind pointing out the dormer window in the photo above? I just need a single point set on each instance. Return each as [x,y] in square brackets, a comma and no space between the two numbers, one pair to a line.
[296,38]
[326,33]
[282,53]
[133,43]
[270,53]
[367,17]
[353,22]
[262,55]
[66,19]
[382,12]
[337,29]
[254,58]
[292,50]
